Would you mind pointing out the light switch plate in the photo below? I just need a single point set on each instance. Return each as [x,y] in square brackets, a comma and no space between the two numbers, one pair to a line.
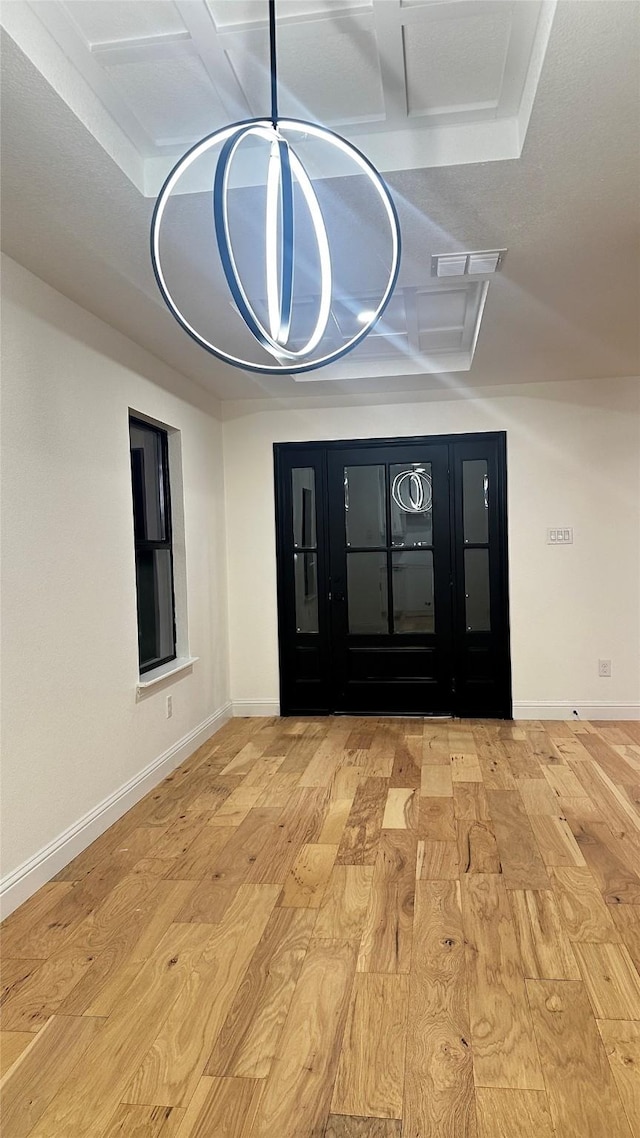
[560,536]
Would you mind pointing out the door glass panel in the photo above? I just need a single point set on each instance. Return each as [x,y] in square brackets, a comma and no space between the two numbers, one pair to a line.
[476,590]
[413,591]
[303,489]
[305,571]
[364,505]
[411,504]
[367,592]
[475,501]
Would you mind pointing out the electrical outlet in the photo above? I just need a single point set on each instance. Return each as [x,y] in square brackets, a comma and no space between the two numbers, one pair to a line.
[604,667]
[169,706]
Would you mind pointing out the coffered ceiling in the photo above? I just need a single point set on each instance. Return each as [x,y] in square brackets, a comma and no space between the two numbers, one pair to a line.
[417,83]
[497,124]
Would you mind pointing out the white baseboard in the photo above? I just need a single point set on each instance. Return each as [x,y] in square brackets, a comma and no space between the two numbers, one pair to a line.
[19,885]
[549,709]
[265,707]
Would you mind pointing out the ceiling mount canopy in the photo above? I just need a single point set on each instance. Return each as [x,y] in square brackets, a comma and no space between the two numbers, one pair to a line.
[303,240]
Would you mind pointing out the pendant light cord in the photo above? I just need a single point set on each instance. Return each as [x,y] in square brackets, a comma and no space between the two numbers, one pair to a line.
[274,66]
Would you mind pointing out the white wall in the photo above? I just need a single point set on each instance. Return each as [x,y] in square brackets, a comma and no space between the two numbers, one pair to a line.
[573,460]
[72,732]
[73,735]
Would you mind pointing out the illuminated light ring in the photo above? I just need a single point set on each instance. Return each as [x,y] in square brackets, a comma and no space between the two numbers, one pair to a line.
[279,196]
[221,136]
[279,207]
[420,502]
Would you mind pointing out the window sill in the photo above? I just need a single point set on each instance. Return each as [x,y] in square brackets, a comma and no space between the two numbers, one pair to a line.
[164,672]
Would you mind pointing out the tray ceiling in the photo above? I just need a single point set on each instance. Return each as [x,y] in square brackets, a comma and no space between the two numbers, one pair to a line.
[414,83]
[83,159]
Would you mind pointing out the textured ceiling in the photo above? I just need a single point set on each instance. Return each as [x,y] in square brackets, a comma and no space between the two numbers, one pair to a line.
[565,306]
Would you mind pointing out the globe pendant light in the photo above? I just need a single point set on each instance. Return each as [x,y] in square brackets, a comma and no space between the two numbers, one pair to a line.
[292,210]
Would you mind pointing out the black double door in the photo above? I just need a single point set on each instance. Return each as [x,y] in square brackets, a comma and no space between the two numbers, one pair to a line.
[392,577]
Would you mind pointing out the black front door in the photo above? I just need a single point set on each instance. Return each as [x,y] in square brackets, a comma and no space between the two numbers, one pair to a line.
[390,570]
[392,577]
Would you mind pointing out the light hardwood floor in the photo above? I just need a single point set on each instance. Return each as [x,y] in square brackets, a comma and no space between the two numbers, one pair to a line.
[344,928]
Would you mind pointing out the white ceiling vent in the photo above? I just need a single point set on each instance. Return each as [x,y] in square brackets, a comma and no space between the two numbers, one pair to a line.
[467,264]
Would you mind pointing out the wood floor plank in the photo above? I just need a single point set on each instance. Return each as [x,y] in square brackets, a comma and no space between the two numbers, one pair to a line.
[322,767]
[245,760]
[537,796]
[522,761]
[465,767]
[584,913]
[618,813]
[232,864]
[13,973]
[17,927]
[626,918]
[196,861]
[235,808]
[226,1109]
[263,771]
[345,1126]
[247,1041]
[99,849]
[494,764]
[49,937]
[181,833]
[439,1097]
[335,821]
[611,980]
[310,873]
[370,1078]
[582,1093]
[477,847]
[621,1040]
[85,1104]
[436,820]
[437,861]
[32,1083]
[563,781]
[581,809]
[609,862]
[544,946]
[211,928]
[144,1122]
[101,985]
[406,769]
[300,755]
[207,902]
[30,1005]
[608,760]
[359,844]
[298,1088]
[513,1114]
[556,841]
[504,1049]
[401,809]
[169,1071]
[278,792]
[12,1045]
[301,824]
[436,781]
[470,802]
[522,864]
[343,911]
[388,930]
